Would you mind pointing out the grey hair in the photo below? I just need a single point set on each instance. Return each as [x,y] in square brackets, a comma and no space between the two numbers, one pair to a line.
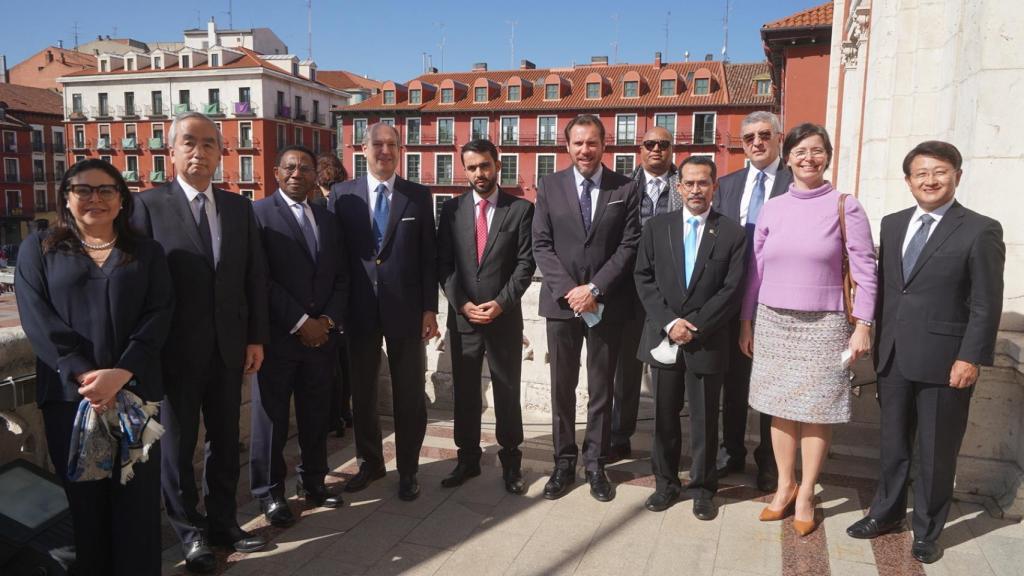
[376,126]
[199,115]
[762,116]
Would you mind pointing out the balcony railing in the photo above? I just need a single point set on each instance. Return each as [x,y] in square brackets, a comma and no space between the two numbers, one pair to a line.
[243,109]
[103,143]
[59,147]
[76,115]
[182,108]
[129,144]
[443,180]
[10,178]
[39,177]
[152,111]
[80,144]
[427,139]
[318,118]
[156,176]
[212,109]
[156,144]
[284,112]
[103,112]
[300,115]
[128,111]
[245,144]
[130,175]
[37,146]
[14,211]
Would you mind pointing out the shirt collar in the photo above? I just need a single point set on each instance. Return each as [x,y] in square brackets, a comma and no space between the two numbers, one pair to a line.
[664,177]
[291,203]
[702,217]
[596,178]
[938,213]
[491,200]
[372,182]
[769,171]
[191,192]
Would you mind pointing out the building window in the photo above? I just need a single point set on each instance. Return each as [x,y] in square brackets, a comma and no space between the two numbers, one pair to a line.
[158,62]
[300,114]
[510,131]
[412,167]
[415,96]
[593,90]
[186,61]
[631,89]
[245,168]
[11,170]
[104,106]
[668,87]
[702,86]
[248,194]
[79,136]
[439,200]
[358,165]
[104,66]
[129,103]
[282,110]
[704,128]
[547,130]
[245,134]
[764,87]
[447,95]
[551,91]
[79,158]
[545,165]
[132,165]
[158,133]
[478,128]
[480,94]
[37,139]
[159,165]
[666,121]
[412,130]
[281,139]
[514,93]
[214,98]
[624,163]
[59,167]
[445,130]
[625,129]
[316,113]
[214,60]
[59,143]
[316,141]
[130,141]
[76,103]
[184,102]
[10,141]
[103,142]
[389,96]
[388,122]
[443,168]
[244,95]
[41,200]
[298,137]
[38,170]
[358,130]
[156,103]
[509,170]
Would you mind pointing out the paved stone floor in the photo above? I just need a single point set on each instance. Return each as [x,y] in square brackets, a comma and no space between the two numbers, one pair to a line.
[479,529]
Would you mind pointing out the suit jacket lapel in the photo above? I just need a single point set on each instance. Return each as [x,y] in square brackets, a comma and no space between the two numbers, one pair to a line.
[500,213]
[398,203]
[465,219]
[177,202]
[572,200]
[602,201]
[949,223]
[676,229]
[707,243]
[783,178]
[287,214]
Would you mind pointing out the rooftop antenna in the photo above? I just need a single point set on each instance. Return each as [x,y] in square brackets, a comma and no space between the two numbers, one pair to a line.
[512,44]
[231,21]
[115,31]
[309,29]
[615,43]
[444,40]
[199,21]
[725,29]
[75,30]
[668,17]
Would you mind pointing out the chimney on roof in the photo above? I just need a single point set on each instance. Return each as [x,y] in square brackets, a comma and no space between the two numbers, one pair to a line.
[211,33]
[598,60]
[686,56]
[4,76]
[657,59]
[480,67]
[709,57]
[49,56]
[525,64]
[432,70]
[60,44]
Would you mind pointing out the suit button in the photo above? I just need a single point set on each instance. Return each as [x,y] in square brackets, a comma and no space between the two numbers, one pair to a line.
[905,291]
[378,261]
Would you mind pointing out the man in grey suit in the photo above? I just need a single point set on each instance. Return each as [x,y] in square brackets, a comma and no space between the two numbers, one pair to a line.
[940,275]
[740,197]
[585,231]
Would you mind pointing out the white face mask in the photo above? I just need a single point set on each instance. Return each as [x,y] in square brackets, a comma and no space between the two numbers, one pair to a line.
[665,352]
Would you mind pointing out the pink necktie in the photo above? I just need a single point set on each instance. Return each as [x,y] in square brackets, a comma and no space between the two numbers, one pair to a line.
[481,231]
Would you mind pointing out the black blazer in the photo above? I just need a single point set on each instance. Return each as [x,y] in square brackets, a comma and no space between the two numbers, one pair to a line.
[949,307]
[712,298]
[224,309]
[568,256]
[79,317]
[730,189]
[507,267]
[389,291]
[300,282]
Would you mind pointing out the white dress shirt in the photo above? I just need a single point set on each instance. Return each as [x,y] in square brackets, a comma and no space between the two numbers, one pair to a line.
[654,191]
[748,188]
[211,213]
[915,222]
[595,191]
[701,224]
[316,232]
[491,200]
[372,183]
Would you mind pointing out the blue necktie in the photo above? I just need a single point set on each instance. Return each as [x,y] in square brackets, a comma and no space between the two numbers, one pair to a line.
[690,248]
[916,245]
[756,201]
[307,230]
[585,204]
[381,210]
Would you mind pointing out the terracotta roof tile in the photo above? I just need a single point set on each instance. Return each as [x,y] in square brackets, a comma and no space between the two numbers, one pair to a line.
[345,80]
[818,16]
[34,100]
[743,88]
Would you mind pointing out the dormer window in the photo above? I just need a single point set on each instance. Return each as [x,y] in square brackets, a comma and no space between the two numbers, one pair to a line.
[630,89]
[514,94]
[702,86]
[312,74]
[186,61]
[764,87]
[214,60]
[389,96]
[447,95]
[593,90]
[668,88]
[415,96]
[129,64]
[295,68]
[480,94]
[551,91]
[104,65]
[158,62]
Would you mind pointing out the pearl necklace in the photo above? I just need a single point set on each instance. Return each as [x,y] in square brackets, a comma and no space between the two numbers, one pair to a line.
[103,246]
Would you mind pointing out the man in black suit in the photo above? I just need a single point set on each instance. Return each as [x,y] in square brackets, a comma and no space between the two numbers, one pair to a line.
[655,183]
[585,230]
[308,291]
[388,229]
[689,270]
[217,335]
[485,264]
[941,278]
[740,197]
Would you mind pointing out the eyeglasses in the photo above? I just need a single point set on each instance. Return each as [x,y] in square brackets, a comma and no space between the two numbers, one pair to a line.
[85,191]
[650,145]
[691,184]
[764,135]
[801,153]
[303,169]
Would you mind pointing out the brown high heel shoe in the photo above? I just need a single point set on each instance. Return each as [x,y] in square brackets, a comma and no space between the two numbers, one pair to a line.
[769,515]
[804,528]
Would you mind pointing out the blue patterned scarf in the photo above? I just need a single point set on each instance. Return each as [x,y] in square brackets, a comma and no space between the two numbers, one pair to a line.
[129,429]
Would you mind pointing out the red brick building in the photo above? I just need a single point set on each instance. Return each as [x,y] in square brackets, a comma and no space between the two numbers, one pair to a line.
[799,48]
[32,158]
[42,69]
[525,111]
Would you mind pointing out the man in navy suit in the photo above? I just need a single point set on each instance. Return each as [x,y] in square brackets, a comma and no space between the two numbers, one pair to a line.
[388,231]
[217,334]
[740,197]
[308,292]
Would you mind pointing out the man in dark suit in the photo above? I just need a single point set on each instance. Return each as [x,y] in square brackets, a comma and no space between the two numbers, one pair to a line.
[689,270]
[485,264]
[740,197]
[308,292]
[388,228]
[585,230]
[941,278]
[655,184]
[217,335]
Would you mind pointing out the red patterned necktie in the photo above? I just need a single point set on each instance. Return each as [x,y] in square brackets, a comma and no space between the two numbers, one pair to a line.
[481,231]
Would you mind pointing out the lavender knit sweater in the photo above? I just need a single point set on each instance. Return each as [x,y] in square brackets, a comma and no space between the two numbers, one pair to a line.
[797,256]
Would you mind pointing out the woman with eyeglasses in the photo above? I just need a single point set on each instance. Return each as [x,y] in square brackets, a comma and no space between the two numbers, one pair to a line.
[793,321]
[95,302]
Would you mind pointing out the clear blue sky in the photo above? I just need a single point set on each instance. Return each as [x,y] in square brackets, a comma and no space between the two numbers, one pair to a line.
[386,39]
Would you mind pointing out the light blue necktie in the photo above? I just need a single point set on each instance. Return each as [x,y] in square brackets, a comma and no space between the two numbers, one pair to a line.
[381,210]
[307,230]
[690,248]
[756,201]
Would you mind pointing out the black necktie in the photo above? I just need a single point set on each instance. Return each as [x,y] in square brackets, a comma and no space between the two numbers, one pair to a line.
[203,224]
[585,204]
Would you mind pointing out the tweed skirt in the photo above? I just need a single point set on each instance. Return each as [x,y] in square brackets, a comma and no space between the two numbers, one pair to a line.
[797,372]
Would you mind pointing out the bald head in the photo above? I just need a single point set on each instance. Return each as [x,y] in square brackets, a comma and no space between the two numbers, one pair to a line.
[656,151]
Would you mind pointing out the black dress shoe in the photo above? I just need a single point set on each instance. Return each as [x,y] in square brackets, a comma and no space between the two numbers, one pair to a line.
[238,539]
[363,478]
[460,474]
[662,499]
[514,482]
[600,488]
[704,508]
[767,480]
[868,527]
[730,466]
[619,452]
[339,428]
[317,495]
[559,483]
[408,487]
[198,557]
[276,511]
[925,551]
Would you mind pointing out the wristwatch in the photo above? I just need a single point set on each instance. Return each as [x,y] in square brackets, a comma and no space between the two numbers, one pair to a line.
[594,290]
[865,323]
[330,323]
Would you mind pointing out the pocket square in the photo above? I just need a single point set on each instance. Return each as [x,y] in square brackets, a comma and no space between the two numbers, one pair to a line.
[409,219]
[616,202]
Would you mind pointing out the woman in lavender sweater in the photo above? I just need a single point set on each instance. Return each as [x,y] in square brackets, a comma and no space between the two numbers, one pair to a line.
[794,290]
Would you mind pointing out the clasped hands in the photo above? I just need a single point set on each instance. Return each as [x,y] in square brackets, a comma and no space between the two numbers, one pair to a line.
[481,313]
[100,387]
[682,332]
[314,332]
[581,299]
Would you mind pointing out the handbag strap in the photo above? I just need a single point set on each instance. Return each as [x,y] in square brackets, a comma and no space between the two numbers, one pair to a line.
[849,286]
